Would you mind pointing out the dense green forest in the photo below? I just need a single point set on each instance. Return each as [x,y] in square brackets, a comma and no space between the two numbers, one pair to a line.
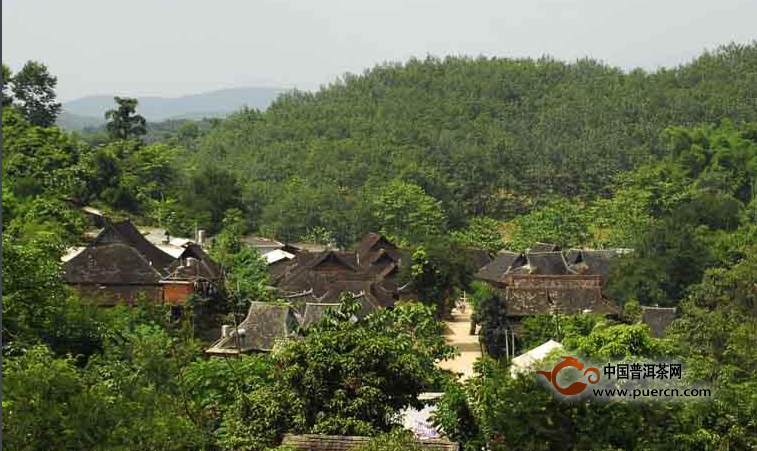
[442,156]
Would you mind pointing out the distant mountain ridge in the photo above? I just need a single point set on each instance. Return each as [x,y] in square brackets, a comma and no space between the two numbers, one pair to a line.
[91,109]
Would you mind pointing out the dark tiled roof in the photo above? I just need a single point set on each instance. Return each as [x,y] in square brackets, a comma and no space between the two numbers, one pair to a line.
[497,268]
[658,319]
[546,263]
[205,268]
[314,442]
[113,263]
[544,247]
[125,232]
[314,312]
[265,324]
[328,274]
[480,258]
[598,262]
[373,242]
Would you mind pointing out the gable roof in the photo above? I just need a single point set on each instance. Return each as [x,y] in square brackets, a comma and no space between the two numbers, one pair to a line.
[316,442]
[372,242]
[265,324]
[204,266]
[340,258]
[114,263]
[125,232]
[597,262]
[479,258]
[547,263]
[369,271]
[658,319]
[495,270]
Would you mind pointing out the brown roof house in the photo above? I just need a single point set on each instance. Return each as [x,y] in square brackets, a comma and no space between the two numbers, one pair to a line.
[551,281]
[266,325]
[193,271]
[312,283]
[316,442]
[121,265]
[369,271]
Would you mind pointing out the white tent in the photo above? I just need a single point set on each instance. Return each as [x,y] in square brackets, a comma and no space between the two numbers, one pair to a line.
[524,362]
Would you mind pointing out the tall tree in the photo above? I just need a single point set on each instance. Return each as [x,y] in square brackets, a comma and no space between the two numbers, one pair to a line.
[123,121]
[7,79]
[34,89]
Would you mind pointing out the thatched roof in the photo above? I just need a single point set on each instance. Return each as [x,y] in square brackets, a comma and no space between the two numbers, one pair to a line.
[265,324]
[313,442]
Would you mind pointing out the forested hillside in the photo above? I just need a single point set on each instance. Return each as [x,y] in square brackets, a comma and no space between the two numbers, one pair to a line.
[489,137]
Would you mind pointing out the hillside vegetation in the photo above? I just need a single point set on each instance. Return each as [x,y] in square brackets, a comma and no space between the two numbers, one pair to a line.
[490,137]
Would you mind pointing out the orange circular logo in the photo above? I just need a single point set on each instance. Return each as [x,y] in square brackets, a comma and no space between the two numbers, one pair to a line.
[576,387]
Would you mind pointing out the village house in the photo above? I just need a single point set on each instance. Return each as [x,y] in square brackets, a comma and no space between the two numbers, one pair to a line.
[371,270]
[315,442]
[266,324]
[311,283]
[121,265]
[546,280]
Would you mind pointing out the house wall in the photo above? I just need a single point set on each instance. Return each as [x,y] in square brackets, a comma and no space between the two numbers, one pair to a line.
[177,293]
[108,295]
[559,282]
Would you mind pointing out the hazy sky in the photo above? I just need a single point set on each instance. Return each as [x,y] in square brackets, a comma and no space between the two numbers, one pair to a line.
[169,48]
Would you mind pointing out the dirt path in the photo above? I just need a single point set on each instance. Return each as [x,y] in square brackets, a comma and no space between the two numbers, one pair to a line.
[457,335]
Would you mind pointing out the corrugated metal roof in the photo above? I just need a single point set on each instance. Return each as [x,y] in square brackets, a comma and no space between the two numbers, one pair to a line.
[277,255]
